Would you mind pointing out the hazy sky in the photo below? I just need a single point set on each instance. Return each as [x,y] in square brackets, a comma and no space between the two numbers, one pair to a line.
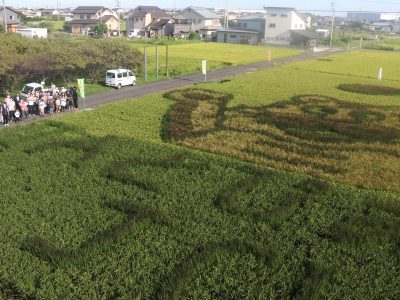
[365,5]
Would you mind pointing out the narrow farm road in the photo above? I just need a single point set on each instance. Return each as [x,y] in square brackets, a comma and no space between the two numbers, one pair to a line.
[96,100]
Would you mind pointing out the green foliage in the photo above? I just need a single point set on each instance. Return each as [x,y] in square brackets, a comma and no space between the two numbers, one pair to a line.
[99,30]
[193,35]
[61,59]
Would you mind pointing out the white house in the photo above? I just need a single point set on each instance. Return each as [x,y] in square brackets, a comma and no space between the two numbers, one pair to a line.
[280,21]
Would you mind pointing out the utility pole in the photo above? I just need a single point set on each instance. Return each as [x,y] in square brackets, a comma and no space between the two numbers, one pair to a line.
[226,15]
[119,18]
[5,16]
[174,9]
[333,21]
[58,10]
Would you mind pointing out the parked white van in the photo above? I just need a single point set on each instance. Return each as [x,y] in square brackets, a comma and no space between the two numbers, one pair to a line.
[120,77]
[31,88]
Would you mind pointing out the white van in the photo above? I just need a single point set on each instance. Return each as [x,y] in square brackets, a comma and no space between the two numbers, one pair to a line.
[120,77]
[31,88]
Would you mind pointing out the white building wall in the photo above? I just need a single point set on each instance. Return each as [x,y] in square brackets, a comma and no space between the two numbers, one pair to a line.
[33,32]
[390,16]
[278,24]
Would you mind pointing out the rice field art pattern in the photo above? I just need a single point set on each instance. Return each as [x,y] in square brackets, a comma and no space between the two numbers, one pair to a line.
[352,143]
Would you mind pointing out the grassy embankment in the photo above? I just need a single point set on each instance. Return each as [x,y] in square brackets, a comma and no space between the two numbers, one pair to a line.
[102,204]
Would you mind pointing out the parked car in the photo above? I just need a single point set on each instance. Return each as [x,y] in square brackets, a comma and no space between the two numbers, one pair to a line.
[120,77]
[31,88]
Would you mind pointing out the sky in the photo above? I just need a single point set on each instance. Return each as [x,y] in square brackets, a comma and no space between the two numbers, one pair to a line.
[346,5]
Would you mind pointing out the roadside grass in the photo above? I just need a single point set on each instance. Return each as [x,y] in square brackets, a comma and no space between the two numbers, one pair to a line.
[92,89]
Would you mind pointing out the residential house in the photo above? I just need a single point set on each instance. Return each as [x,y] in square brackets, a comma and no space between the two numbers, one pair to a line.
[13,18]
[236,36]
[162,27]
[252,22]
[84,17]
[197,19]
[280,21]
[280,25]
[45,12]
[30,13]
[140,18]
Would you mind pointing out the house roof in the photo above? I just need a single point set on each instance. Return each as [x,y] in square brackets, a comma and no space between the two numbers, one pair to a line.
[279,8]
[158,23]
[87,9]
[205,13]
[306,34]
[252,17]
[10,8]
[144,10]
[107,18]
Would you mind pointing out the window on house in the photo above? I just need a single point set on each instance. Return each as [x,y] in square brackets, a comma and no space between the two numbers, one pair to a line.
[295,26]
[242,36]
[282,38]
[244,25]
[199,21]
[271,25]
[11,17]
[301,25]
[141,19]
[233,36]
[272,15]
[284,15]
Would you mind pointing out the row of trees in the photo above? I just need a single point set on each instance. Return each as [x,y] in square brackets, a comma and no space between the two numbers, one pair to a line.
[62,60]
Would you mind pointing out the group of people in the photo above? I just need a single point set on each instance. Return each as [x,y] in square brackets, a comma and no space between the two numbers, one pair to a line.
[38,103]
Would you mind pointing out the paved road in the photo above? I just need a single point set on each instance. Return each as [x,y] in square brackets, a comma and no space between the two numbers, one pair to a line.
[159,86]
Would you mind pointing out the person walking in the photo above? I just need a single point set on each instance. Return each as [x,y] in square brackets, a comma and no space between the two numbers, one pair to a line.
[4,113]
[74,94]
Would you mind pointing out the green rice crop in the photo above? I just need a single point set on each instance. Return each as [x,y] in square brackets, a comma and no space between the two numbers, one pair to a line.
[97,205]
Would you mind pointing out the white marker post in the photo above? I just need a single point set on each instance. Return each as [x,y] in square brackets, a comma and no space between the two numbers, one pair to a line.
[204,69]
[380,74]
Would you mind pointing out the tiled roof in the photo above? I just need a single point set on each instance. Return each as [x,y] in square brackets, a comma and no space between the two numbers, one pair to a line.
[206,13]
[87,9]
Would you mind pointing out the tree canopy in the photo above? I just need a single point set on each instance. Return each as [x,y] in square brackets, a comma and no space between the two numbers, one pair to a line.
[61,59]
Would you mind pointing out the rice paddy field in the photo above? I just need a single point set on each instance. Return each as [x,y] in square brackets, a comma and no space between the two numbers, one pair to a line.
[185,58]
[282,184]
